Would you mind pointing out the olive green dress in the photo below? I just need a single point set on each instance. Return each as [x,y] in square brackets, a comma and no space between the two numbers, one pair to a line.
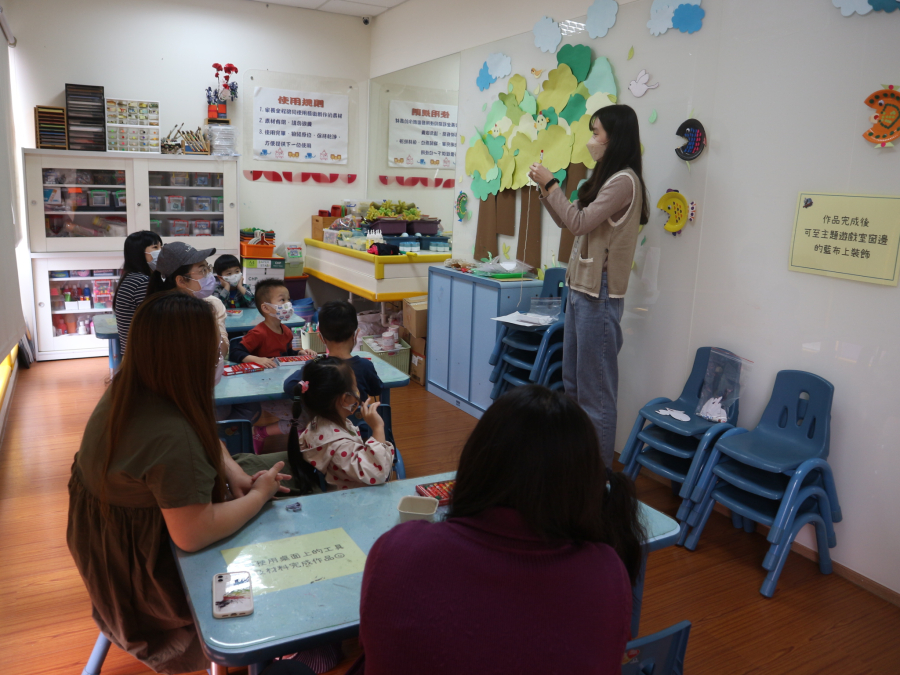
[126,562]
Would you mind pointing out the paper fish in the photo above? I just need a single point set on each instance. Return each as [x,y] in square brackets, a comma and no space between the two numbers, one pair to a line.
[695,135]
[886,120]
[639,86]
[537,73]
[674,203]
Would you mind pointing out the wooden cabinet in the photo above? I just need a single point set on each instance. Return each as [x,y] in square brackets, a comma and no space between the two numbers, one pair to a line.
[461,333]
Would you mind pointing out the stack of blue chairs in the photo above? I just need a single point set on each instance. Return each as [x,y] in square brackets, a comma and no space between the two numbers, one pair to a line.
[534,354]
[673,449]
[776,474]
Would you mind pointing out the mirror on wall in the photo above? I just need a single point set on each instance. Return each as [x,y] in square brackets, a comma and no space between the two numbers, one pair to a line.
[413,137]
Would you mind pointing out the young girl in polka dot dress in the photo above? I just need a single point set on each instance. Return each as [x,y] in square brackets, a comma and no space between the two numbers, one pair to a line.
[330,443]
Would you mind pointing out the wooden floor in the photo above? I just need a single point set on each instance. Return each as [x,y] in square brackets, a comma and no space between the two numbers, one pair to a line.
[814,624]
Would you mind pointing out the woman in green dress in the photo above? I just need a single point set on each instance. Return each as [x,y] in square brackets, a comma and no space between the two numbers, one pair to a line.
[151,466]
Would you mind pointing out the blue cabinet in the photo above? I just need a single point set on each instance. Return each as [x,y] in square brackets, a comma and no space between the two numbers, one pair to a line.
[461,334]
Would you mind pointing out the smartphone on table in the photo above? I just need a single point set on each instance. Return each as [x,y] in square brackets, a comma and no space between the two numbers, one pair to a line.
[232,595]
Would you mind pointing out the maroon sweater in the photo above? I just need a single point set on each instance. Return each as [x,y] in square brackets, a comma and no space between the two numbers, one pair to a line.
[484,595]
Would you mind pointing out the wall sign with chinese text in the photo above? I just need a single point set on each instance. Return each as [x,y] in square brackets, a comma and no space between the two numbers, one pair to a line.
[422,135]
[847,236]
[295,561]
[300,126]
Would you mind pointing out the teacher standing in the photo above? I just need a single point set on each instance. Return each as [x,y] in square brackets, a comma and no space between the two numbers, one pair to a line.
[605,220]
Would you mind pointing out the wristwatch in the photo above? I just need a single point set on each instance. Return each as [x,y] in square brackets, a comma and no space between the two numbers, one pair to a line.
[550,184]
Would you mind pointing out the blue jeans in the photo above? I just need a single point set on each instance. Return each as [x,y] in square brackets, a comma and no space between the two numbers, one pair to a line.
[591,360]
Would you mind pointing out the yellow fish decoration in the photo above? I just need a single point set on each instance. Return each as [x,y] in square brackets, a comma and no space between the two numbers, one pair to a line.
[674,203]
[537,73]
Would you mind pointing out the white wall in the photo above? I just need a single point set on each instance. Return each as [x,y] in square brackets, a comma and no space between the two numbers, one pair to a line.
[164,50]
[780,88]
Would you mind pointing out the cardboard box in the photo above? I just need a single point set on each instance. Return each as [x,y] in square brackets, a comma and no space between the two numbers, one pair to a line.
[319,224]
[416,343]
[415,315]
[417,368]
[257,269]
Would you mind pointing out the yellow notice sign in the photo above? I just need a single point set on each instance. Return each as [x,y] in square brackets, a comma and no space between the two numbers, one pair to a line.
[847,236]
[285,563]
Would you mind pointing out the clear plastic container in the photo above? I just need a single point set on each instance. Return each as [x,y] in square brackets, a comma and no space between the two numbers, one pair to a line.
[173,202]
[199,204]
[179,228]
[201,228]
[180,178]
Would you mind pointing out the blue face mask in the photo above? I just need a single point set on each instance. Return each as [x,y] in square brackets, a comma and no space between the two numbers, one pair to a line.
[207,286]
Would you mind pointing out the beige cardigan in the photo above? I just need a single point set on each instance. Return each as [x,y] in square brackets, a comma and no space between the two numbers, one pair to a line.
[601,241]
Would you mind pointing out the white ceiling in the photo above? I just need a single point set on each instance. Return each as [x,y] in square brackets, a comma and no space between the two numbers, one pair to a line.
[351,7]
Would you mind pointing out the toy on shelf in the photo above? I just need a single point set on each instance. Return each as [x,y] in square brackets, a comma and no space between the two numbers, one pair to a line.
[103,293]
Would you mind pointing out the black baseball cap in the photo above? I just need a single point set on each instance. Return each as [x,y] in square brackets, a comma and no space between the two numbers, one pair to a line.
[177,254]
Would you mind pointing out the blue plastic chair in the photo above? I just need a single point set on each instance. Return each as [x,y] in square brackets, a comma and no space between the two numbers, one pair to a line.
[527,365]
[237,435]
[673,449]
[659,654]
[776,474]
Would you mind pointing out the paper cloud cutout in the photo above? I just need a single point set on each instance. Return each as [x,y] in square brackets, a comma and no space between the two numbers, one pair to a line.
[499,65]
[662,13]
[884,5]
[688,18]
[601,16]
[547,35]
[851,7]
[484,79]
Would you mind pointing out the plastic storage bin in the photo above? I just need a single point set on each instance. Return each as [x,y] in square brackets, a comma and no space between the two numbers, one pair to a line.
[173,203]
[179,228]
[201,180]
[156,226]
[217,204]
[218,228]
[180,179]
[389,226]
[199,204]
[154,202]
[98,198]
[399,358]
[201,228]
[257,250]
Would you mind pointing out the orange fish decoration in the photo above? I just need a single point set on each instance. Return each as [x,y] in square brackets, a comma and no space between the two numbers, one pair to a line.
[886,120]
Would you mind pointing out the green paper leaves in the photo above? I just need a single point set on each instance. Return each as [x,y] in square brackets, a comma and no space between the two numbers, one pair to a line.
[643,241]
[581,133]
[492,174]
[574,109]
[462,140]
[484,107]
[496,113]
[506,251]
[495,146]
[601,78]
[556,145]
[578,58]
[478,158]
[653,116]
[559,86]
[507,166]
[529,104]
[551,117]
[513,111]
[517,87]
[630,54]
[612,98]
[560,176]
[482,188]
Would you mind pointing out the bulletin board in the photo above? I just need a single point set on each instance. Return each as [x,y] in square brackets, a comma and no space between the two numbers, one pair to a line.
[854,237]
[332,89]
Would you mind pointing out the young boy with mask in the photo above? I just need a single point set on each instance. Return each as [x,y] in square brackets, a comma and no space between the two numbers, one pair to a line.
[230,289]
[264,342]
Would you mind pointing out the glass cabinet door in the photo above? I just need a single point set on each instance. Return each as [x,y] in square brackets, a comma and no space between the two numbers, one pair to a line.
[190,200]
[78,205]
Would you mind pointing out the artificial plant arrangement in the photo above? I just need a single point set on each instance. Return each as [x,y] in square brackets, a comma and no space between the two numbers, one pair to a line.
[389,209]
[224,86]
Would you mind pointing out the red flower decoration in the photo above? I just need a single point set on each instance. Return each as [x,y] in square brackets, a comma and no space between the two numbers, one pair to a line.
[217,66]
[230,68]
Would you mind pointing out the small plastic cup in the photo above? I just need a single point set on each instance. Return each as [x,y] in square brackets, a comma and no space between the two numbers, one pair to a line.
[417,508]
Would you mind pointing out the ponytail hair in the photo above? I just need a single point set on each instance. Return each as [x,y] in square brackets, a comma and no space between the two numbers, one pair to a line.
[536,451]
[326,379]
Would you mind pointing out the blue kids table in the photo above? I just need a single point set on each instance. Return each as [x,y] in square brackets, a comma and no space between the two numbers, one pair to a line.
[268,385]
[315,614]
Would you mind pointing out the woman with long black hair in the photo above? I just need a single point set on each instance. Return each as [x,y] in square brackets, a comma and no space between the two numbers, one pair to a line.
[605,220]
[532,570]
[141,251]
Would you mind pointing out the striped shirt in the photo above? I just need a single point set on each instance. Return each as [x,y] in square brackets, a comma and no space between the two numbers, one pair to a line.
[130,294]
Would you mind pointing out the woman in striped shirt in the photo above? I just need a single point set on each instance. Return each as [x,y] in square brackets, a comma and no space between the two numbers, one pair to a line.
[141,251]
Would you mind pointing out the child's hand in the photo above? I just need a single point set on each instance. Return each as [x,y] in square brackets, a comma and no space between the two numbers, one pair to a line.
[259,360]
[224,283]
[369,411]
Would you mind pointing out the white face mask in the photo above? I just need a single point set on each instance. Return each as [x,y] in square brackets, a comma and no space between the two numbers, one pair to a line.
[353,406]
[234,279]
[596,148]
[283,312]
[152,262]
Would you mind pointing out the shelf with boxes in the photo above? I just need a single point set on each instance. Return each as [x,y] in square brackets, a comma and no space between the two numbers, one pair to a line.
[92,201]
[132,125]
